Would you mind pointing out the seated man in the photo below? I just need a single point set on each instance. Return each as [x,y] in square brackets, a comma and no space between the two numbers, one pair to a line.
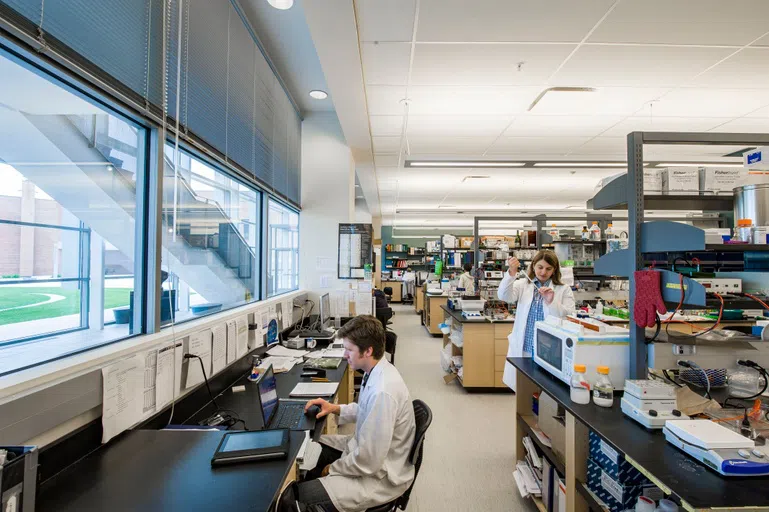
[381,298]
[371,467]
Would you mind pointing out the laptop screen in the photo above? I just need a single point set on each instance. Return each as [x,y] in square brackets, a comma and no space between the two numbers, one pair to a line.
[268,394]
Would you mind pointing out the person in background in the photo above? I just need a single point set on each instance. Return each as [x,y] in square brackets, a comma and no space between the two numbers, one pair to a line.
[466,280]
[381,298]
[370,467]
[538,297]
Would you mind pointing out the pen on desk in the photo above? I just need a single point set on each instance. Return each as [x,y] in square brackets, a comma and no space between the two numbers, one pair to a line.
[320,379]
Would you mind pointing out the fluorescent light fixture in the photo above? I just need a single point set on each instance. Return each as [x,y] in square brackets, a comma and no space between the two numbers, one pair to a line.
[580,164]
[281,4]
[559,92]
[708,164]
[458,163]
[447,206]
[317,93]
[466,178]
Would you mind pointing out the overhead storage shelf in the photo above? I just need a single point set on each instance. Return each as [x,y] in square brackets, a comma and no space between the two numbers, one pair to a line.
[614,196]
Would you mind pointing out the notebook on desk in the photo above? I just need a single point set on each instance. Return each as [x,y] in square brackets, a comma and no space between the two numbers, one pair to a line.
[315,389]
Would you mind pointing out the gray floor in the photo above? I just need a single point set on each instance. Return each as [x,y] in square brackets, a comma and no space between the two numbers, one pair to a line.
[468,462]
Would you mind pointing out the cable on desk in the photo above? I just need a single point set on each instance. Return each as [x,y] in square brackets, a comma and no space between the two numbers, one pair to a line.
[235,416]
[668,377]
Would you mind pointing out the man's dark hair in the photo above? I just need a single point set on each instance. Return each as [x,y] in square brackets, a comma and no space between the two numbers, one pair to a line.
[468,267]
[364,331]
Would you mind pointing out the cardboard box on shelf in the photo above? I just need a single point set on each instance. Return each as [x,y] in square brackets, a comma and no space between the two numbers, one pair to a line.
[652,181]
[681,180]
[550,420]
[719,180]
[617,496]
[466,242]
[613,462]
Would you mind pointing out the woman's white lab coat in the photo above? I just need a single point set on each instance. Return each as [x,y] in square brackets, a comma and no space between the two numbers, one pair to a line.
[521,291]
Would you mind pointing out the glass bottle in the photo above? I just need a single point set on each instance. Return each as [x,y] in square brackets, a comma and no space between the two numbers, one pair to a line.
[603,390]
[585,233]
[580,387]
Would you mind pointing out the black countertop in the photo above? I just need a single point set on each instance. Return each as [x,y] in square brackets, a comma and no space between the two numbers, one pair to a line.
[688,479]
[457,315]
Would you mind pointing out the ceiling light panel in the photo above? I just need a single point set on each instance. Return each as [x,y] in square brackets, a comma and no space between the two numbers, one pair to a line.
[554,126]
[385,21]
[386,63]
[637,66]
[482,64]
[687,102]
[703,22]
[449,20]
[620,101]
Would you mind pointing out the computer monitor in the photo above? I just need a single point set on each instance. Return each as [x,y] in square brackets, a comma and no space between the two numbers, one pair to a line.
[268,394]
[325,310]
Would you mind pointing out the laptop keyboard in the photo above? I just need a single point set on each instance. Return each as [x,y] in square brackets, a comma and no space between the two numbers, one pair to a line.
[288,416]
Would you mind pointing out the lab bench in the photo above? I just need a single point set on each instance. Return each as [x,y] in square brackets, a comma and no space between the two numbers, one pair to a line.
[671,470]
[483,348]
[432,316]
[419,299]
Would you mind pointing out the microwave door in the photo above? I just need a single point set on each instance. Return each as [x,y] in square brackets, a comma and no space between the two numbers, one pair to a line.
[549,352]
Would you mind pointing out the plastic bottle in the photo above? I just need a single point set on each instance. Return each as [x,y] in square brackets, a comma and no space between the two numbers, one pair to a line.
[603,390]
[666,505]
[554,232]
[518,240]
[744,230]
[609,232]
[644,504]
[595,232]
[585,233]
[580,387]
[599,307]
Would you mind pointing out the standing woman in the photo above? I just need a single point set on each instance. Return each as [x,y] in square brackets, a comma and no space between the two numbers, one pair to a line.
[546,296]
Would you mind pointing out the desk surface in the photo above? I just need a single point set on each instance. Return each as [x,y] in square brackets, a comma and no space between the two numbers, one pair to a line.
[688,479]
[457,315]
[160,470]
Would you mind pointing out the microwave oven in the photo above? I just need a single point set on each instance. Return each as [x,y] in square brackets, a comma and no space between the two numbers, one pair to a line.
[560,344]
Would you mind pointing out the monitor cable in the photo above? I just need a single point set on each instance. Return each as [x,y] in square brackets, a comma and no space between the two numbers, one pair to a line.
[232,418]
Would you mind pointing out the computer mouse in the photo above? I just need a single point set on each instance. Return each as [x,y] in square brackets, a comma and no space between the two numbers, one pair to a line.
[312,411]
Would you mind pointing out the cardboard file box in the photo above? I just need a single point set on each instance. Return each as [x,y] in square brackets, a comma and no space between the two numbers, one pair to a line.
[681,180]
[613,462]
[715,180]
[615,495]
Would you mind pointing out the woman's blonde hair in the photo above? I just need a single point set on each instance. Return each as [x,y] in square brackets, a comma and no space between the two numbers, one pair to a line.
[552,260]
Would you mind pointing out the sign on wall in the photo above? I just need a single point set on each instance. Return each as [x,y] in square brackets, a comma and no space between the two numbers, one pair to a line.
[355,250]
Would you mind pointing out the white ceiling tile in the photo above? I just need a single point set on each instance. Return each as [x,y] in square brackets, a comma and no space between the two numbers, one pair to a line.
[386,125]
[449,146]
[392,20]
[603,101]
[747,69]
[385,160]
[684,152]
[386,144]
[656,123]
[762,112]
[463,126]
[529,146]
[504,20]
[744,125]
[604,148]
[553,126]
[384,100]
[386,63]
[764,41]
[486,64]
[705,22]
[471,100]
[686,102]
[637,66]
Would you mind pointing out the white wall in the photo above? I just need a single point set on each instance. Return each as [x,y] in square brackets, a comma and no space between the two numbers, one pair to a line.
[328,198]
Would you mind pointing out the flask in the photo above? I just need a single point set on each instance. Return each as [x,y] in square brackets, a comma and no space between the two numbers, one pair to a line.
[603,390]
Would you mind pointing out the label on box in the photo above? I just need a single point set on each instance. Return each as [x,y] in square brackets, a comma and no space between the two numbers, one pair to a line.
[682,179]
[611,486]
[610,452]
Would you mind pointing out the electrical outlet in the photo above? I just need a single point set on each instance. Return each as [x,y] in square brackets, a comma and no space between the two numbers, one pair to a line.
[684,350]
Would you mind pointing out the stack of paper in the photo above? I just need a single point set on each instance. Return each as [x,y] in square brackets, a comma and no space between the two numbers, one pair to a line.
[279,364]
[333,352]
[281,351]
[524,478]
[314,389]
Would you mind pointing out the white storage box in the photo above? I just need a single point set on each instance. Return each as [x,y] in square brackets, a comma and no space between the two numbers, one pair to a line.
[652,181]
[680,180]
[719,180]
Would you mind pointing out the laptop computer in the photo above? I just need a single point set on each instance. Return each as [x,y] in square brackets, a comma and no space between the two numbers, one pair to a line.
[280,412]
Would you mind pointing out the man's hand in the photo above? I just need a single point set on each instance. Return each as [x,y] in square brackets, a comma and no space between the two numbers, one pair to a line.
[326,407]
[514,265]
[548,294]
[325,470]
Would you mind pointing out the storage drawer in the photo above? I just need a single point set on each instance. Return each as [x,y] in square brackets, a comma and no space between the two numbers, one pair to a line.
[500,346]
[502,330]
[498,380]
[499,363]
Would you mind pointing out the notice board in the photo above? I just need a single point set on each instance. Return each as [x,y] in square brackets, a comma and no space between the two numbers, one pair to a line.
[355,250]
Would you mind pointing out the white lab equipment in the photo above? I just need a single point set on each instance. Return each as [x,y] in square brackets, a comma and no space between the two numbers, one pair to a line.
[650,402]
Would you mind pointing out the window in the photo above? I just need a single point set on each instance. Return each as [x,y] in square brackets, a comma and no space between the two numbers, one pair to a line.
[210,239]
[283,249]
[69,230]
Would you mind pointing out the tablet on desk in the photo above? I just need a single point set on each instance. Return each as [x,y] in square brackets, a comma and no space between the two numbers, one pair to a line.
[238,447]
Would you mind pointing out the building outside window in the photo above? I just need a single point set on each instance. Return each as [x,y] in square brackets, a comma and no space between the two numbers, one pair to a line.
[210,239]
[283,249]
[69,224]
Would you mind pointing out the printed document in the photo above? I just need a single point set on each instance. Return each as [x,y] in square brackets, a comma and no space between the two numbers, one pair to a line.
[122,393]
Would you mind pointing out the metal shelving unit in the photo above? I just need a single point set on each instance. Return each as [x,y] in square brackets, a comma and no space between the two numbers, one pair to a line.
[627,192]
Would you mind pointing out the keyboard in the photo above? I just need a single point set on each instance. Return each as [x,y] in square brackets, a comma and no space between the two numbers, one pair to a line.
[288,416]
[312,334]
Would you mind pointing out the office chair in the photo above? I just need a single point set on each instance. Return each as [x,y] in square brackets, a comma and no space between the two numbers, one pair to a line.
[384,315]
[423,416]
[391,339]
[388,291]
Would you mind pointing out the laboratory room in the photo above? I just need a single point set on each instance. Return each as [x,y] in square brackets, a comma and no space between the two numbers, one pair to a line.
[380,255]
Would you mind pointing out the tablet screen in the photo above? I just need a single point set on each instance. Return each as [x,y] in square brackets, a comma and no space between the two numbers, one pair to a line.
[252,440]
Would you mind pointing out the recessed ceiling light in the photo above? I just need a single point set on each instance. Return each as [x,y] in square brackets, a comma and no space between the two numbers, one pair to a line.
[580,164]
[704,164]
[318,94]
[560,92]
[446,206]
[475,178]
[281,4]
[457,163]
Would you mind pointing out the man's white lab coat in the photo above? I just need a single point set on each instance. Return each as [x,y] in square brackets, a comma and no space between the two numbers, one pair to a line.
[374,468]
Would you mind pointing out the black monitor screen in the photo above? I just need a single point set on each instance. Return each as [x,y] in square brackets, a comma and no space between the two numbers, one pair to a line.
[268,394]
[325,309]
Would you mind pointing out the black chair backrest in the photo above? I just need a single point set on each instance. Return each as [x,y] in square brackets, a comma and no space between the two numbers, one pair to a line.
[423,417]
[383,315]
[388,290]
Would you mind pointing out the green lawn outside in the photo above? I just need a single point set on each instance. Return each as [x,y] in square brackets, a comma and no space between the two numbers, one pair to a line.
[12,296]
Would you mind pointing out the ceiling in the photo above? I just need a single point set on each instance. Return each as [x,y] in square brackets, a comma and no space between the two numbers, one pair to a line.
[470,72]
